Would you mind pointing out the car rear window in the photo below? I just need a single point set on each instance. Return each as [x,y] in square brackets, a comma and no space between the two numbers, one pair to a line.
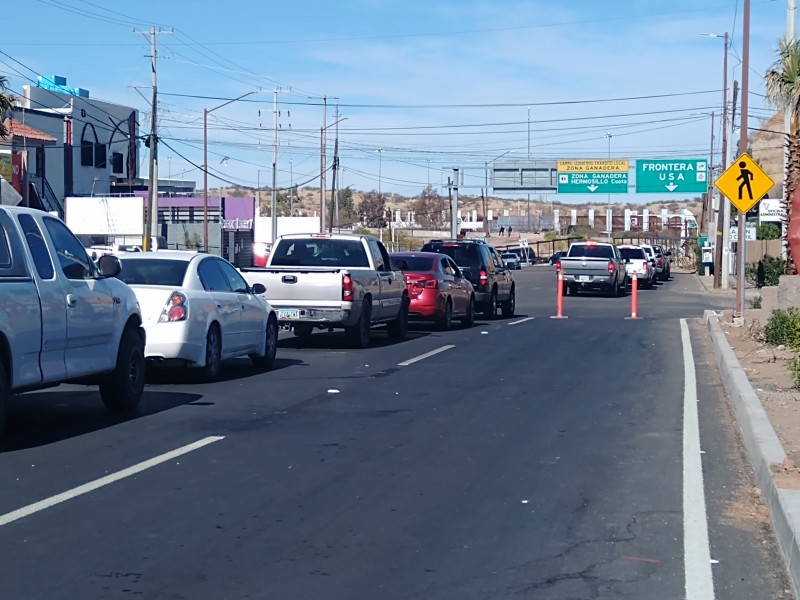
[153,271]
[510,256]
[590,251]
[464,255]
[319,252]
[420,264]
[633,253]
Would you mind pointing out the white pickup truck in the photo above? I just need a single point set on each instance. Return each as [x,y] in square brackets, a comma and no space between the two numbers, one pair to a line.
[327,281]
[64,318]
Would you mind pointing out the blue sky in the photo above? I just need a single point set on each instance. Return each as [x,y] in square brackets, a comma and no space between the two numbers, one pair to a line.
[421,86]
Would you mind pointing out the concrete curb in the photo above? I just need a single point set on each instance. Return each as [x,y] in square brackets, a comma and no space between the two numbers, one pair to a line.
[763,449]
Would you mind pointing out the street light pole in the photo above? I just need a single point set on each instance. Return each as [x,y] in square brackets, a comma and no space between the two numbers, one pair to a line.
[205,164]
[528,227]
[380,164]
[723,206]
[609,214]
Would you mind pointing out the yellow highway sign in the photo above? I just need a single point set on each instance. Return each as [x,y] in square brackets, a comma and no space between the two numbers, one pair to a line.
[744,183]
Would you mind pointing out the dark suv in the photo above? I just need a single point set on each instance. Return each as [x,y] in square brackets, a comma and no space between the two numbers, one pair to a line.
[482,265]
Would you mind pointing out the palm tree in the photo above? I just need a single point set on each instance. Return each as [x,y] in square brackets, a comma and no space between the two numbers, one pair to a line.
[5,103]
[782,82]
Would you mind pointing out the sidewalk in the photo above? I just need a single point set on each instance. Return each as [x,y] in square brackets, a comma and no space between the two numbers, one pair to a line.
[764,449]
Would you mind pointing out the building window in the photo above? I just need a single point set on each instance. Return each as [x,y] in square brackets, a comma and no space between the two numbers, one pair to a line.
[93,153]
[117,162]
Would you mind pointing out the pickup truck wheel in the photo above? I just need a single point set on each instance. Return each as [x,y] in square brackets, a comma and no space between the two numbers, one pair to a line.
[398,329]
[266,360]
[4,393]
[510,305]
[122,389]
[469,320]
[213,366]
[613,291]
[624,289]
[490,312]
[302,330]
[359,333]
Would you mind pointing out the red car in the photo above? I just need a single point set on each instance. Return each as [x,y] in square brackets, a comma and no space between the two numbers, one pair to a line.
[436,288]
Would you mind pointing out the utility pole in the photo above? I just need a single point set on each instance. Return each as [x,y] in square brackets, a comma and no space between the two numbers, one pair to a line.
[151,214]
[335,168]
[791,35]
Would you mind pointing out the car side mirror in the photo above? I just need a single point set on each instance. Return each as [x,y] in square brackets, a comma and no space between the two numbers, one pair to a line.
[258,289]
[109,265]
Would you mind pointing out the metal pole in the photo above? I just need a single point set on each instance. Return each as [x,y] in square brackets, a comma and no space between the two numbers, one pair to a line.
[743,148]
[205,180]
[274,204]
[721,254]
[454,207]
[709,195]
[485,194]
[609,213]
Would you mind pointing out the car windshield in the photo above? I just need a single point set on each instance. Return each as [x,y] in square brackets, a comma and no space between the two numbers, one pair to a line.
[153,271]
[319,252]
[632,253]
[590,251]
[464,255]
[419,264]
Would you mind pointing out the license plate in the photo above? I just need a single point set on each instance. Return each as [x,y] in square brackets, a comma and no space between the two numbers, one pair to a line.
[288,313]
[582,278]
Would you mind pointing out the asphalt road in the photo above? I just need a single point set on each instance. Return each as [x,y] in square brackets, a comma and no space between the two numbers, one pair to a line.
[522,458]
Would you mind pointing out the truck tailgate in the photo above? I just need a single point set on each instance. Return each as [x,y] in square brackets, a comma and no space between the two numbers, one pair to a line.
[306,286]
[597,267]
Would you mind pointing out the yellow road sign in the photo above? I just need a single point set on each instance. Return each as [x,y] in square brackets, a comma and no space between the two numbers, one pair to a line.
[744,183]
[592,165]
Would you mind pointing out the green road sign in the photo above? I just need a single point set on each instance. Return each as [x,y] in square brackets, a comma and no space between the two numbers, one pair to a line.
[671,176]
[593,183]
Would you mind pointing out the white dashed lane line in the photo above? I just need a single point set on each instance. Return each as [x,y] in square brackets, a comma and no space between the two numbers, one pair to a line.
[521,321]
[411,361]
[27,511]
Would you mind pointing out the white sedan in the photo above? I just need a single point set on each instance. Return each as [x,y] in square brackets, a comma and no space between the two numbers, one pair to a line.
[198,310]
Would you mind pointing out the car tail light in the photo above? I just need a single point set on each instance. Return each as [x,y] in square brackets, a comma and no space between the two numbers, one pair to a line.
[661,260]
[347,288]
[176,309]
[427,282]
[484,277]
[558,265]
[610,267]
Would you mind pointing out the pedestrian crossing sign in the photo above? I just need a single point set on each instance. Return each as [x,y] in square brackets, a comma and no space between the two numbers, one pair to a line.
[744,183]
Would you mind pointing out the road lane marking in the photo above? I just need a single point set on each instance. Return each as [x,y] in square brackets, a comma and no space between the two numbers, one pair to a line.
[27,511]
[411,361]
[521,321]
[696,552]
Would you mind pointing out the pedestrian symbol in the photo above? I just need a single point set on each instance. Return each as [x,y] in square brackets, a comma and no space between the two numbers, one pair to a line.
[744,183]
[745,178]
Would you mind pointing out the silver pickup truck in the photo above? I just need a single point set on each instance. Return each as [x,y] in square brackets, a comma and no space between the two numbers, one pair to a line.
[327,281]
[593,265]
[62,317]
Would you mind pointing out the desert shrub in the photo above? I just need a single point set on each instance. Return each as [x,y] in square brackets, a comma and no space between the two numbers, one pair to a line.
[783,327]
[794,369]
[756,302]
[766,272]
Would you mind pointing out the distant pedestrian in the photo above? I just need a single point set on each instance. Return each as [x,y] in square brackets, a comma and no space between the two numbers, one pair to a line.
[510,229]
[502,230]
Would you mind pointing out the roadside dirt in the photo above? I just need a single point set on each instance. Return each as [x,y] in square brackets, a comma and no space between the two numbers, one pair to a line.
[768,371]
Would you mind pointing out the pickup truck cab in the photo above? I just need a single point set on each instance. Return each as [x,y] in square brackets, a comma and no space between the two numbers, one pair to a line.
[593,265]
[64,318]
[334,281]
